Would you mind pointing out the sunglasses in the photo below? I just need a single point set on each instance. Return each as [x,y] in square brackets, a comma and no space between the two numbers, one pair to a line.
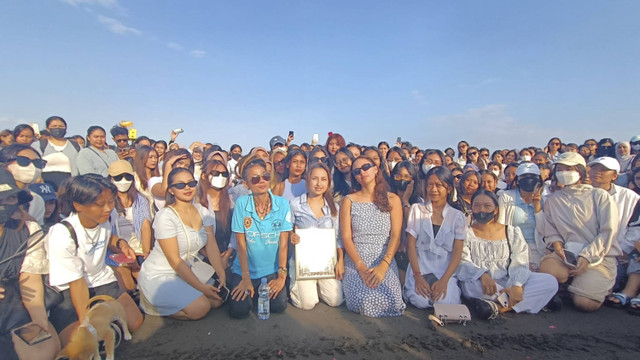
[635,143]
[473,153]
[181,186]
[127,177]
[218,173]
[323,160]
[25,161]
[458,177]
[122,140]
[255,179]
[359,171]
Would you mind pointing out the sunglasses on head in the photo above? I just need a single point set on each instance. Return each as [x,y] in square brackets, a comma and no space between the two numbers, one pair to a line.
[359,171]
[181,186]
[127,177]
[218,173]
[25,161]
[255,179]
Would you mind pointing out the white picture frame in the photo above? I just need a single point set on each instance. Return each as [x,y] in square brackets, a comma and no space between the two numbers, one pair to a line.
[316,254]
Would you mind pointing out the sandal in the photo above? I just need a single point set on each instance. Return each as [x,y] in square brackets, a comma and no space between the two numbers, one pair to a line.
[484,309]
[634,306]
[622,300]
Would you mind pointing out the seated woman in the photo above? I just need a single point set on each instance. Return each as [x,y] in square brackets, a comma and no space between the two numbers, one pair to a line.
[130,220]
[261,222]
[370,224]
[522,207]
[495,261]
[77,253]
[583,220]
[21,284]
[469,183]
[435,236]
[168,285]
[316,209]
[159,185]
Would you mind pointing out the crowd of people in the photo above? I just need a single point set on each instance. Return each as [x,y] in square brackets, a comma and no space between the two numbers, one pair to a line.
[177,231]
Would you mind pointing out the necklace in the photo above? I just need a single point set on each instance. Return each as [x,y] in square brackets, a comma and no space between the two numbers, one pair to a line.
[92,239]
[263,209]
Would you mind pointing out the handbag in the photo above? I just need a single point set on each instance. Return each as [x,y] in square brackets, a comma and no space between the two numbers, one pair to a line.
[451,313]
[203,271]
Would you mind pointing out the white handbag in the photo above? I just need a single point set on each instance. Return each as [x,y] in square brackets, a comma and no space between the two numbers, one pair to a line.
[203,271]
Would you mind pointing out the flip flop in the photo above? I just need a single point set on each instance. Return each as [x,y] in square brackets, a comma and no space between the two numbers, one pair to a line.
[623,300]
[634,306]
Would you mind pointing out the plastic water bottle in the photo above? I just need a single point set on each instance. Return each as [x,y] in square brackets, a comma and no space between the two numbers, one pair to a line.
[263,300]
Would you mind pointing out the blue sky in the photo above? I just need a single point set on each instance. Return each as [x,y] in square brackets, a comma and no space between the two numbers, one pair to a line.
[496,73]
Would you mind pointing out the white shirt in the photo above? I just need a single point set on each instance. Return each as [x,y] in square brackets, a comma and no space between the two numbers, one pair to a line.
[67,264]
[626,200]
[159,201]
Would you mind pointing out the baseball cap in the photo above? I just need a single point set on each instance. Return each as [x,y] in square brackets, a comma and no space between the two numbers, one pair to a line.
[46,191]
[608,162]
[570,159]
[635,138]
[120,167]
[276,140]
[8,188]
[527,168]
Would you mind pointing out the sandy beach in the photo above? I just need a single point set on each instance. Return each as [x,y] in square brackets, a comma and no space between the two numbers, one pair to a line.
[335,333]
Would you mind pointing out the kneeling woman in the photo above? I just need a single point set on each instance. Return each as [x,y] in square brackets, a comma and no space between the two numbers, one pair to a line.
[77,248]
[495,260]
[316,209]
[261,222]
[435,237]
[168,285]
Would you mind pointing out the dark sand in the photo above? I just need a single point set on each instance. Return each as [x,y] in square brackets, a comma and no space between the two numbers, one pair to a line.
[336,333]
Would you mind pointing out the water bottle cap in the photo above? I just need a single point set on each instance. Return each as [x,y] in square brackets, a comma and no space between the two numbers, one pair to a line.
[263,281]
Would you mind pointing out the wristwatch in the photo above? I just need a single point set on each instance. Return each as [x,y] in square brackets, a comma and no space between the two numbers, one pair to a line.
[283,270]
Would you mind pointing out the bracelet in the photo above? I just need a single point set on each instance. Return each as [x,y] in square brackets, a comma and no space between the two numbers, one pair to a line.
[386,261]
[417,274]
[282,270]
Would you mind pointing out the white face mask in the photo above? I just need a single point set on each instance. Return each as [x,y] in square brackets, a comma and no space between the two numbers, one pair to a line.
[426,167]
[123,185]
[496,173]
[525,158]
[392,164]
[218,182]
[635,147]
[567,178]
[24,174]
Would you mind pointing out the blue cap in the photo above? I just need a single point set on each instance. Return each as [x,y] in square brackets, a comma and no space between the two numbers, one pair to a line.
[46,191]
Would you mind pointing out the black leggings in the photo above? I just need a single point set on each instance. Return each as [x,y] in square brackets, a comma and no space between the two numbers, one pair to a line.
[241,309]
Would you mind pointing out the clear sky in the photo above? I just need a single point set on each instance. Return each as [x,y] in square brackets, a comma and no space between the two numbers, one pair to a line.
[495,73]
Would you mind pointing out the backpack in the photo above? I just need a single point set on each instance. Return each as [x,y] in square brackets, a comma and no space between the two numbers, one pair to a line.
[45,142]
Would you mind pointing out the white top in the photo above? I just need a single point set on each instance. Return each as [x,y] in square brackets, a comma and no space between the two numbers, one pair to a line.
[167,225]
[159,201]
[36,208]
[626,200]
[35,260]
[67,264]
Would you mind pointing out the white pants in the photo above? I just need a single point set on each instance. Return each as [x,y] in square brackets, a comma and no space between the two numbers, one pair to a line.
[304,293]
[421,302]
[537,292]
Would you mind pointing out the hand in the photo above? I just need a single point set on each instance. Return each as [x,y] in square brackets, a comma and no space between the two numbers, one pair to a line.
[174,135]
[558,249]
[1,293]
[536,200]
[407,193]
[126,249]
[225,256]
[223,281]
[123,155]
[294,239]
[275,286]
[515,295]
[439,290]
[375,276]
[243,289]
[210,291]
[339,269]
[581,268]
[422,286]
[488,285]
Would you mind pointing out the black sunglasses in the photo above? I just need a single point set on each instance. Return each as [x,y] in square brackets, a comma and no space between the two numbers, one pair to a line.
[181,186]
[324,160]
[127,177]
[473,153]
[359,171]
[218,173]
[122,140]
[635,142]
[255,179]
[25,161]
[459,176]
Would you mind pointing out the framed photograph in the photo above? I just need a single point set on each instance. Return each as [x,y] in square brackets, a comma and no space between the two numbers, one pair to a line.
[316,254]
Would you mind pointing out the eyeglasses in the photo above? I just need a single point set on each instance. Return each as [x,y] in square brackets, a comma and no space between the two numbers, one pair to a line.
[218,173]
[128,177]
[344,162]
[255,179]
[324,160]
[181,186]
[359,171]
[25,161]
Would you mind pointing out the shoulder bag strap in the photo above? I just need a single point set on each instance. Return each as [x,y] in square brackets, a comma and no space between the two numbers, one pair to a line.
[506,232]
[98,156]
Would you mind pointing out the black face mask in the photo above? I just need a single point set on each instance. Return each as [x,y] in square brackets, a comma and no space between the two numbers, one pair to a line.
[58,133]
[401,185]
[236,156]
[6,211]
[528,184]
[483,217]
